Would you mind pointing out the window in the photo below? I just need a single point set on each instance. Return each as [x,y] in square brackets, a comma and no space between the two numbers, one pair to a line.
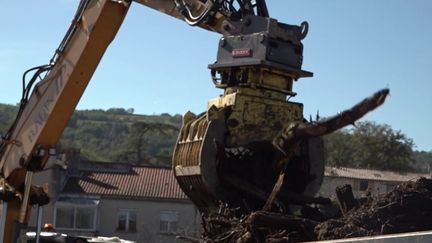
[126,220]
[75,217]
[65,217]
[168,221]
[84,218]
[364,185]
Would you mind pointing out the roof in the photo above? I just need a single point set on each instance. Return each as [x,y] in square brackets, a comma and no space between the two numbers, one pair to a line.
[367,174]
[139,182]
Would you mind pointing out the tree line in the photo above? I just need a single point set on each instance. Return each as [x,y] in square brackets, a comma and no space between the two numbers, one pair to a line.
[375,146]
[119,135]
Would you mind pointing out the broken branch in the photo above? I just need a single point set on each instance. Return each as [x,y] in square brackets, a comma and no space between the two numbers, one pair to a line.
[290,137]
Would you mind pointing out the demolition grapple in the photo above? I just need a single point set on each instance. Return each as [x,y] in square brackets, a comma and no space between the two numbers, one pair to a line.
[225,155]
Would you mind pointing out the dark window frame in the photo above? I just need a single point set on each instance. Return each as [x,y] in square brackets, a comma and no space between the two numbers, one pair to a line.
[76,209]
[363,185]
[131,218]
[168,221]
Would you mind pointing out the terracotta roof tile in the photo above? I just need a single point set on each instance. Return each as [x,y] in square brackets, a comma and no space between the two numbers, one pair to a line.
[367,174]
[138,183]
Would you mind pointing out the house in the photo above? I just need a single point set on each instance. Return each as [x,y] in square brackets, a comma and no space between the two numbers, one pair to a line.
[363,181]
[145,203]
[139,203]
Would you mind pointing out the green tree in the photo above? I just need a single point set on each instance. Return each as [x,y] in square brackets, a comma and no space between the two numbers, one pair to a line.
[137,147]
[338,146]
[370,145]
[117,111]
[423,161]
[163,157]
[7,116]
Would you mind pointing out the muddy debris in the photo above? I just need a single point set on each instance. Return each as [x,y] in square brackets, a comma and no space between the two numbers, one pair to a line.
[406,208]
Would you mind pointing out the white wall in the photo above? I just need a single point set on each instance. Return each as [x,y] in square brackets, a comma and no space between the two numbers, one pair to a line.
[148,219]
[330,183]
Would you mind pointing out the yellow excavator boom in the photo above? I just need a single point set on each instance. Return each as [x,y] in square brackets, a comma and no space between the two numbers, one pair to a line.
[48,104]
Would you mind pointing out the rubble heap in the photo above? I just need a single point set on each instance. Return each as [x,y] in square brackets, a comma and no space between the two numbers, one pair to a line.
[407,208]
[259,226]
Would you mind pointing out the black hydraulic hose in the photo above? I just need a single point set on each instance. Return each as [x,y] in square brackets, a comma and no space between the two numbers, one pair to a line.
[192,20]
[26,90]
[262,8]
[27,87]
[72,28]
[25,96]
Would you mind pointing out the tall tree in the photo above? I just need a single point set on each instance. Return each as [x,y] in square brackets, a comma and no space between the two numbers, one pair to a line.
[423,161]
[136,146]
[370,145]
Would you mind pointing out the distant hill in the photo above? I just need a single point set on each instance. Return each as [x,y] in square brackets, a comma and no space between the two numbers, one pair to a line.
[115,135]
[7,115]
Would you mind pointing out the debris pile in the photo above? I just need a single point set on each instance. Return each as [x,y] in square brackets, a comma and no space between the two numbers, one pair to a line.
[407,208]
[258,226]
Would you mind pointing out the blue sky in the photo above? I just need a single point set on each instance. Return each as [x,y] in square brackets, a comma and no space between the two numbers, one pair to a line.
[158,64]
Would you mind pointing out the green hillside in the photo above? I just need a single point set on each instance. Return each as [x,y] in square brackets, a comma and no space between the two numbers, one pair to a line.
[115,135]
[7,114]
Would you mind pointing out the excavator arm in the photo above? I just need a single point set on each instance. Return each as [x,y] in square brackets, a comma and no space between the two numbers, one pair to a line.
[47,103]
